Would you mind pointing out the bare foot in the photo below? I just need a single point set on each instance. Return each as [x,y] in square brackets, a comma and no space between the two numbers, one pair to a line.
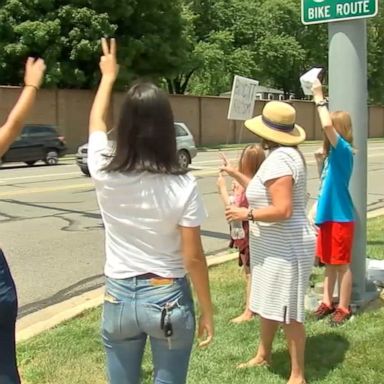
[297,381]
[255,362]
[243,318]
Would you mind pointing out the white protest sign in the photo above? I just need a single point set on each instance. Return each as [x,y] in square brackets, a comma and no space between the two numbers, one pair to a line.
[242,98]
[308,79]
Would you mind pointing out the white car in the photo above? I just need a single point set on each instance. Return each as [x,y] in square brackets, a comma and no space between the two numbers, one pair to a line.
[186,149]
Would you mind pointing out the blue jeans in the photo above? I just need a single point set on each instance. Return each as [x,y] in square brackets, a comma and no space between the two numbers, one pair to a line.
[8,314]
[133,310]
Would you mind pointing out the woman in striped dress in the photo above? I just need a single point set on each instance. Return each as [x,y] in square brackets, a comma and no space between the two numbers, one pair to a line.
[282,241]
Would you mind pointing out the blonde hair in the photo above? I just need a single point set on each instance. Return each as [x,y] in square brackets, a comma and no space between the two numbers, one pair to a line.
[342,123]
[251,159]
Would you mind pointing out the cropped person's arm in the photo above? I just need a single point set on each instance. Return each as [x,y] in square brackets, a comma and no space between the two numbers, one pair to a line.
[325,117]
[34,72]
[196,265]
[221,184]
[109,69]
[280,208]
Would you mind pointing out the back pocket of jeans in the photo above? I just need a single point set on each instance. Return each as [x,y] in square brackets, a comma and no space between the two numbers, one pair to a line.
[181,317]
[112,317]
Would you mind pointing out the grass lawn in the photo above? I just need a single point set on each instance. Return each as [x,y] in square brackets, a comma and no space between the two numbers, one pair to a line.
[72,353]
[375,241]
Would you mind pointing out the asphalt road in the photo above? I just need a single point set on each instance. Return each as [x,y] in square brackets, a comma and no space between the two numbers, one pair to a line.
[52,233]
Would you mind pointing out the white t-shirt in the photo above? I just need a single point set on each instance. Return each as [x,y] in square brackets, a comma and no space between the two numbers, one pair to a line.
[141,213]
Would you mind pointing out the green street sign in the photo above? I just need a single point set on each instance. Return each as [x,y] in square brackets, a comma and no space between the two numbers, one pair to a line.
[326,11]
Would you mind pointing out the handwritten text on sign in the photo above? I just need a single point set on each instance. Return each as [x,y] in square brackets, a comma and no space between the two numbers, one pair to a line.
[242,98]
[323,11]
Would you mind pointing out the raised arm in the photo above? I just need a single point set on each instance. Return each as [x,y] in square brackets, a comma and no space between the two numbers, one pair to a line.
[109,70]
[34,73]
[325,117]
[233,172]
[221,185]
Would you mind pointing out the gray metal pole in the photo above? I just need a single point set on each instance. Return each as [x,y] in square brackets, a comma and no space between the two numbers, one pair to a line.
[348,91]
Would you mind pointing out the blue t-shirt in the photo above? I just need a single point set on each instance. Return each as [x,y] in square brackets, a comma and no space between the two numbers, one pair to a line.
[335,202]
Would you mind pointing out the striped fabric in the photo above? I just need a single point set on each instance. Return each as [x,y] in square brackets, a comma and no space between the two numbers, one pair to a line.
[282,253]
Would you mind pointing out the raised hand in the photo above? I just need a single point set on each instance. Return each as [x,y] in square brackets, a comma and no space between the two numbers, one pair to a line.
[108,62]
[226,167]
[34,72]
[223,157]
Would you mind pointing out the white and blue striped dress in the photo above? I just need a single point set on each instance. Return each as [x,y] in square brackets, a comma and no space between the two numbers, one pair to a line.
[282,253]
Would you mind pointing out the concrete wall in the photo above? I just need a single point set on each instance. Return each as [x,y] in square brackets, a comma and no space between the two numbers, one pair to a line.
[206,117]
[187,109]
[376,121]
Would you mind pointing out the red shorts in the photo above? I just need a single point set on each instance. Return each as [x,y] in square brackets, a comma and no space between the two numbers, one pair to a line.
[334,242]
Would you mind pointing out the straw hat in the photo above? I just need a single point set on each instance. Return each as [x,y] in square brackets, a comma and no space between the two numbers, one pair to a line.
[278,124]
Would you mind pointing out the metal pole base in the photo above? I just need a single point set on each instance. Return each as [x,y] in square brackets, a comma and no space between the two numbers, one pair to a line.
[370,295]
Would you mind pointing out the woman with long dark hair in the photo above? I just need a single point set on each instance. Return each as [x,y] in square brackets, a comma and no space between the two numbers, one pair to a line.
[152,212]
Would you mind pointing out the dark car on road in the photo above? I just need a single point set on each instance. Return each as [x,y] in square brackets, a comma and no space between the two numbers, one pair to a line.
[36,142]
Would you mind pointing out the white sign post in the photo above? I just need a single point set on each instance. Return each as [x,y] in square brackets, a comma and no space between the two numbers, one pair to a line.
[242,98]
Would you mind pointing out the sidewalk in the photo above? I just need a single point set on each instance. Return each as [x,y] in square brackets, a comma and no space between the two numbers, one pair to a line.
[236,147]
[47,318]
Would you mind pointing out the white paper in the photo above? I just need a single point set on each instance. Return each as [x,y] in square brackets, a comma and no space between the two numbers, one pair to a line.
[242,98]
[308,79]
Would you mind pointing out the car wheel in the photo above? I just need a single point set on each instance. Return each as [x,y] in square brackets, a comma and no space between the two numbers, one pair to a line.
[30,163]
[85,170]
[51,158]
[184,159]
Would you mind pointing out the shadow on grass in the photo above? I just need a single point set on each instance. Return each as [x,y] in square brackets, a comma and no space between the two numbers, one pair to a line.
[375,242]
[324,353]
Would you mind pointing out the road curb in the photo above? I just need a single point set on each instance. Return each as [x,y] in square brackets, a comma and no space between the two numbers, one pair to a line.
[50,317]
[236,147]
[376,213]
[47,318]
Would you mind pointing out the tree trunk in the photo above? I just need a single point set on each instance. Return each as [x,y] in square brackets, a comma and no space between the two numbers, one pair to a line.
[171,89]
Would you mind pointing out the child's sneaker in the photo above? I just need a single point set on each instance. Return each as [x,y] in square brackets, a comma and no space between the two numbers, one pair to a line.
[323,311]
[340,316]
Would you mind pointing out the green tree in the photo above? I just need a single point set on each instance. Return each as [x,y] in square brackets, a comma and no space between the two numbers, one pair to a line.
[280,54]
[190,58]
[67,33]
[221,32]
[376,58]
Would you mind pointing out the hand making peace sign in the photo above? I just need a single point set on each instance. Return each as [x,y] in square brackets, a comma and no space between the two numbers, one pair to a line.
[108,62]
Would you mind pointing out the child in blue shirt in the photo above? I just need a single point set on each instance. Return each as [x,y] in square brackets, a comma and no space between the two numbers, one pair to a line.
[335,211]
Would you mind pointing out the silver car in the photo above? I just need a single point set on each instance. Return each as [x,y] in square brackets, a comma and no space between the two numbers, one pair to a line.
[186,149]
